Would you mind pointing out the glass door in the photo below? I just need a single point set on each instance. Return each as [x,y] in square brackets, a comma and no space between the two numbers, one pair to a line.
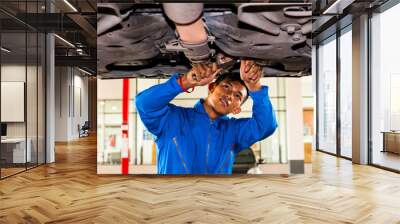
[346,92]
[327,95]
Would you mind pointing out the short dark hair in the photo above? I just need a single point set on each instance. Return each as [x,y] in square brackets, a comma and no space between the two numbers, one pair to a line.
[232,76]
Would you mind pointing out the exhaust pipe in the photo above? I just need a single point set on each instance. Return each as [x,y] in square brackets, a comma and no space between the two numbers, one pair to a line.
[183,13]
[193,38]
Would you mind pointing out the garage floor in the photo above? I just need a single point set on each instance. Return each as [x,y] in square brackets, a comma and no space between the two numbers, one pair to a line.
[70,191]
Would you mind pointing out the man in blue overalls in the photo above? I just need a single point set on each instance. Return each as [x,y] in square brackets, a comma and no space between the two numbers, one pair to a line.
[203,140]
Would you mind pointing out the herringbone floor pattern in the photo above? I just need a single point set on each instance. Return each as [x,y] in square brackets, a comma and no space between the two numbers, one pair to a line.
[70,191]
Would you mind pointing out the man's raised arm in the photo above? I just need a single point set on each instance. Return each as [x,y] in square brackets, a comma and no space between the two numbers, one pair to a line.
[153,104]
[263,121]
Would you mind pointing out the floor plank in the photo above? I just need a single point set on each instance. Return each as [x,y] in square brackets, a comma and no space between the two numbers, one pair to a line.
[70,191]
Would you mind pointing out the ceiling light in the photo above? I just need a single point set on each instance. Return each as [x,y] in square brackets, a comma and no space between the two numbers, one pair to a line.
[5,50]
[70,5]
[79,51]
[86,72]
[65,41]
[338,6]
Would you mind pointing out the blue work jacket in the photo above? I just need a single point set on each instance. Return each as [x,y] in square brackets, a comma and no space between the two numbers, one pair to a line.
[189,142]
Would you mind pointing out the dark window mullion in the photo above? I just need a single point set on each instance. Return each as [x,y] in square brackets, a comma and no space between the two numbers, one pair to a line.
[37,91]
[44,79]
[338,97]
[317,97]
[369,83]
[26,88]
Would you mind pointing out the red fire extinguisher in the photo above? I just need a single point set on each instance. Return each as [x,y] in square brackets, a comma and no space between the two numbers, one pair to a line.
[125,128]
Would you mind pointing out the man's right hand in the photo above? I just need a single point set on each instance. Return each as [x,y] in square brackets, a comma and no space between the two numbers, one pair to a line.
[200,75]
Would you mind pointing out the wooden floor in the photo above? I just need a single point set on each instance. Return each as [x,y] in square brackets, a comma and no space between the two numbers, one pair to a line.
[70,191]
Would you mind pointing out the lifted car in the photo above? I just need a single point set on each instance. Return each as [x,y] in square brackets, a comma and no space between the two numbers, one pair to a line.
[138,40]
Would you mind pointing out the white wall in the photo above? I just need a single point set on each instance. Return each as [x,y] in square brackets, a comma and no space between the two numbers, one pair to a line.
[294,116]
[71,102]
[80,109]
[61,103]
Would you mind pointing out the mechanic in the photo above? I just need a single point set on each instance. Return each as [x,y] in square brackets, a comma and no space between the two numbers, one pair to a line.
[203,139]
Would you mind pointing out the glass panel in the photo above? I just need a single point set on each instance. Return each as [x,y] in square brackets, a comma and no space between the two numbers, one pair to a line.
[14,153]
[385,85]
[346,94]
[32,88]
[22,63]
[273,148]
[145,145]
[132,137]
[308,110]
[394,102]
[327,96]
[31,99]
[100,130]
[41,98]
[109,120]
[113,106]
[77,108]
[272,84]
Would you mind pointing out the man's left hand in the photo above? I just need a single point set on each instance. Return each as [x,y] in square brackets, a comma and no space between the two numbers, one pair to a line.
[251,74]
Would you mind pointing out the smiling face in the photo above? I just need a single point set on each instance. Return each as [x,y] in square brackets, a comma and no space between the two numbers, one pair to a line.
[227,96]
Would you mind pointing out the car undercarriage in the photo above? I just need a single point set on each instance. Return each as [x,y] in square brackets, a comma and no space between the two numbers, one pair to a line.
[138,40]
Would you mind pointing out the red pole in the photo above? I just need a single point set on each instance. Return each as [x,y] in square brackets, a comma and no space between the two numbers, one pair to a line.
[125,128]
